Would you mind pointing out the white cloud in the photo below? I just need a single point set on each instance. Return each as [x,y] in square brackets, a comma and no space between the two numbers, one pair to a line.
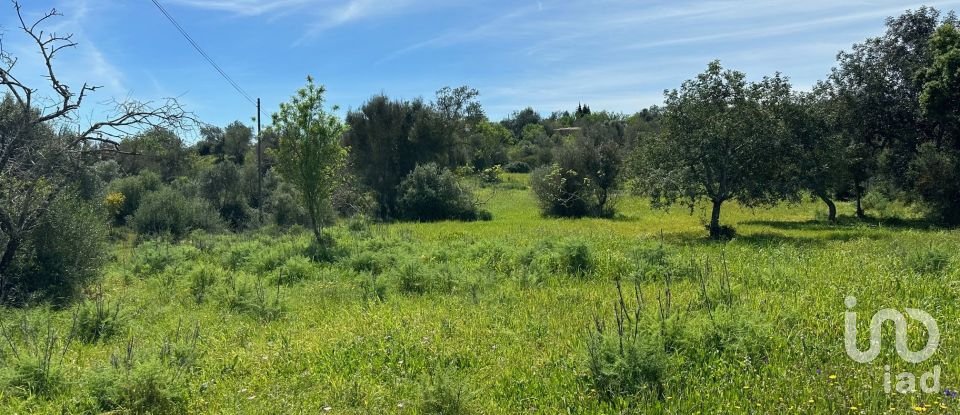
[327,13]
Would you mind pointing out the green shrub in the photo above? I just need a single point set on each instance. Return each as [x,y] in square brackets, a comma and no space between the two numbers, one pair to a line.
[133,189]
[517,167]
[295,269]
[935,176]
[560,192]
[628,365]
[367,261]
[203,278]
[491,175]
[727,334]
[96,320]
[443,395]
[248,295]
[60,255]
[222,187]
[148,387]
[153,257]
[167,211]
[933,261]
[412,278]
[430,193]
[372,288]
[575,258]
[31,376]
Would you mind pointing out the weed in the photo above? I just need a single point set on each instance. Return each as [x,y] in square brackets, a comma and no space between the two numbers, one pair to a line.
[249,295]
[444,395]
[932,261]
[96,320]
[295,269]
[203,278]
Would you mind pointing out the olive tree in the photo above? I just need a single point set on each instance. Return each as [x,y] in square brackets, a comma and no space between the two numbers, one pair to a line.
[310,155]
[719,141]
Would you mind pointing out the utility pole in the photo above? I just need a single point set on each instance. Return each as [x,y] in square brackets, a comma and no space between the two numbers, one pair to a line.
[259,167]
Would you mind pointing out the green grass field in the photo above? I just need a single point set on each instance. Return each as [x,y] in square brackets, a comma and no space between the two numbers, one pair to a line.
[498,317]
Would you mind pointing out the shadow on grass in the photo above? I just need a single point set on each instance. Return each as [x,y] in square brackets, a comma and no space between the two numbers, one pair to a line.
[765,239]
[848,223]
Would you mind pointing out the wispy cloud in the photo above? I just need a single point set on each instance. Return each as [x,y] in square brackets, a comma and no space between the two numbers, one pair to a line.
[326,14]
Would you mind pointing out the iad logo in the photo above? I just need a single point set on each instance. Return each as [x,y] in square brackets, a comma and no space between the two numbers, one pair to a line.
[906,382]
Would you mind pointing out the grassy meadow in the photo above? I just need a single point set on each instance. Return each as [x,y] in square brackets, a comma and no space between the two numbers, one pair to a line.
[515,315]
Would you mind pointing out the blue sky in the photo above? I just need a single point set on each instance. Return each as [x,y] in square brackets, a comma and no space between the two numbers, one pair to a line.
[612,54]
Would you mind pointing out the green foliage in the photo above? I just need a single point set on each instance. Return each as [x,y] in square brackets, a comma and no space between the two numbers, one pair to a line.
[154,257]
[133,189]
[157,150]
[491,175]
[412,278]
[169,212]
[431,193]
[31,376]
[388,139]
[517,167]
[203,278]
[222,187]
[940,98]
[98,320]
[560,192]
[61,254]
[142,387]
[489,143]
[714,129]
[935,176]
[310,154]
[929,262]
[249,295]
[370,262]
[625,366]
[444,395]
[575,258]
[295,269]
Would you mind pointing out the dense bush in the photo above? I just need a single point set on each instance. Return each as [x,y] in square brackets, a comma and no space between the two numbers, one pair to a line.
[133,189]
[167,211]
[148,387]
[295,269]
[625,365]
[935,174]
[517,167]
[431,193]
[60,255]
[932,261]
[98,319]
[560,192]
[222,187]
[203,278]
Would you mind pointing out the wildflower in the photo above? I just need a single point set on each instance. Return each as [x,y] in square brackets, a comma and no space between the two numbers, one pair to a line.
[832,377]
[952,394]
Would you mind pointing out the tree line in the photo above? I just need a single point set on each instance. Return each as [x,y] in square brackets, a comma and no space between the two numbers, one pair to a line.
[885,120]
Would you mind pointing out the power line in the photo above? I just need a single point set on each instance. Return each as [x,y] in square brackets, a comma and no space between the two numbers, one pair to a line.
[202,53]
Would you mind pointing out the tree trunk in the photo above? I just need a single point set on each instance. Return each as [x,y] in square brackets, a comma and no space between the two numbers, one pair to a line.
[715,231]
[5,261]
[860,213]
[831,207]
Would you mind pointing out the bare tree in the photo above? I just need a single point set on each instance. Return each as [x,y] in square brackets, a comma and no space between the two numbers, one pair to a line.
[42,138]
